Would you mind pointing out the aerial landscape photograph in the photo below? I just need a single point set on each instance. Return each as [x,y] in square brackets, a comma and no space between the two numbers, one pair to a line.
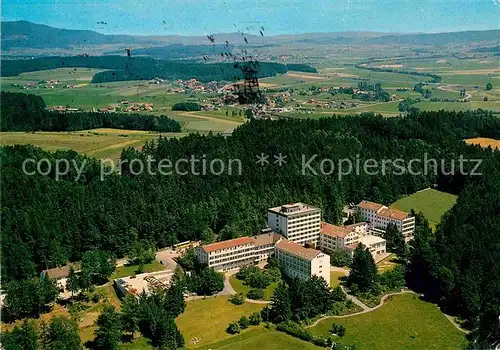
[236,174]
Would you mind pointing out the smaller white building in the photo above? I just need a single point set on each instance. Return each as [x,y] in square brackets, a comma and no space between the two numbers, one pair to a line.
[298,261]
[348,237]
[379,216]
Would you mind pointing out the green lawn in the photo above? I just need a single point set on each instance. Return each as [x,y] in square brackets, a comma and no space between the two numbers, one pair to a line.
[388,263]
[262,339]
[334,278]
[240,287]
[129,270]
[208,319]
[432,203]
[405,322]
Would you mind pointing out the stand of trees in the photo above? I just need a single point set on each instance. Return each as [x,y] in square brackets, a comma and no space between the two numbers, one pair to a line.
[22,112]
[457,266]
[59,333]
[119,68]
[364,65]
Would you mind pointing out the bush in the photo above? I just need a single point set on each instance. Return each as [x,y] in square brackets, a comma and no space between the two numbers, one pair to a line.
[244,322]
[294,329]
[255,318]
[338,329]
[237,299]
[255,294]
[233,328]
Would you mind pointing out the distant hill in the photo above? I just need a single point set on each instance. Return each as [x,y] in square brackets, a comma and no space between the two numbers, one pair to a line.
[24,34]
[26,38]
[439,38]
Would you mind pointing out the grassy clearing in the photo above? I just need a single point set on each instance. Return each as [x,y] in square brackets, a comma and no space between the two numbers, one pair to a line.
[208,319]
[94,143]
[458,106]
[484,142]
[387,264]
[240,287]
[335,278]
[432,203]
[263,339]
[404,322]
[129,270]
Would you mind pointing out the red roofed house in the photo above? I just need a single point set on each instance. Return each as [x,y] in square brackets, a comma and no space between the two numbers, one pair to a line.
[336,237]
[298,261]
[379,216]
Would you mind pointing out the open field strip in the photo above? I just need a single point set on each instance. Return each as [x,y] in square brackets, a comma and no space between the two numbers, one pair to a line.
[484,142]
[94,143]
[432,203]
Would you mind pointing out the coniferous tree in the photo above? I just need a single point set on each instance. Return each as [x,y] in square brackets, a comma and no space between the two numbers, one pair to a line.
[109,329]
[363,270]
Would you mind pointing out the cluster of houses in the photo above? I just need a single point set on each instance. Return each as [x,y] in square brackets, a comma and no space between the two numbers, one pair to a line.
[126,106]
[298,237]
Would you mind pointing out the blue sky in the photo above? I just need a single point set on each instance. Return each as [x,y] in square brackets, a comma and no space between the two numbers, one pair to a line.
[201,17]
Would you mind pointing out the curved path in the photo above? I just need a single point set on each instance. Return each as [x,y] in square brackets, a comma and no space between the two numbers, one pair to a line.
[368,309]
[382,300]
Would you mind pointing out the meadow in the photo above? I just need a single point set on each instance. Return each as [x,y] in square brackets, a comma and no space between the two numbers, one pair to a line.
[207,319]
[432,203]
[240,287]
[403,322]
[96,143]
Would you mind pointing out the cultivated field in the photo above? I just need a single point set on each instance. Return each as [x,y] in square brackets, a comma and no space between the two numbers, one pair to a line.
[97,143]
[484,142]
[432,203]
[404,322]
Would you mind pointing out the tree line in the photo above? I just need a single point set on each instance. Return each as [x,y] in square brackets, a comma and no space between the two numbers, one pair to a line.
[364,65]
[119,68]
[23,112]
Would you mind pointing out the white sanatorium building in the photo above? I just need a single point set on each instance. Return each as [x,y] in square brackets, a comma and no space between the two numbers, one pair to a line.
[379,216]
[349,237]
[297,222]
[238,252]
[298,261]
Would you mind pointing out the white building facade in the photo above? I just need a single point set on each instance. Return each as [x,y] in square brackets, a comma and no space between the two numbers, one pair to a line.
[347,238]
[379,216]
[297,222]
[303,263]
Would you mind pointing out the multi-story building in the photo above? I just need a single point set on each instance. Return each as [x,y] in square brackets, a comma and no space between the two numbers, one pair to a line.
[379,216]
[336,237]
[298,261]
[297,222]
[264,245]
[227,255]
[238,252]
[349,237]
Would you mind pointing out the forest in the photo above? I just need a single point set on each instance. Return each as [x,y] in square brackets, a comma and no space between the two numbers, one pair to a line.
[22,112]
[47,223]
[122,68]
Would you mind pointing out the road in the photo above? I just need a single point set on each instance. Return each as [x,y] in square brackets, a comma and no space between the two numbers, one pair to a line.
[166,258]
